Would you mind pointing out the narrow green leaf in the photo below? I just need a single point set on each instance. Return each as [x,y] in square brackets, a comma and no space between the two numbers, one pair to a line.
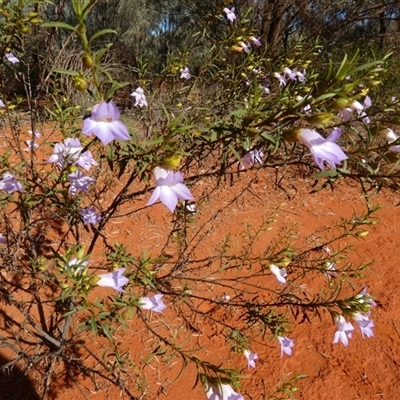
[57,24]
[101,33]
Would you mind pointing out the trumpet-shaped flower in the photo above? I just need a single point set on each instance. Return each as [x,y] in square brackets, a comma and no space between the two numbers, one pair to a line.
[280,273]
[364,323]
[255,41]
[365,297]
[170,188]
[251,358]
[79,182]
[3,240]
[32,145]
[10,184]
[347,113]
[344,330]
[105,124]
[11,58]
[391,137]
[70,152]
[230,14]
[322,149]
[114,279]
[153,303]
[140,98]
[220,390]
[250,158]
[281,79]
[185,73]
[286,345]
[90,215]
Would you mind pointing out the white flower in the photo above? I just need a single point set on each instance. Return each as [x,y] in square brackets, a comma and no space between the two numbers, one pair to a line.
[185,73]
[221,391]
[230,14]
[280,274]
[140,98]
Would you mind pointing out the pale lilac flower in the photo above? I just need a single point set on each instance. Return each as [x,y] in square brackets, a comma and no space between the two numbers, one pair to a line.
[330,270]
[244,46]
[10,184]
[230,14]
[322,149]
[140,98]
[356,106]
[391,137]
[35,134]
[32,145]
[169,189]
[251,358]
[280,273]
[2,104]
[185,73]
[286,345]
[364,323]
[90,215]
[281,79]
[114,279]
[301,76]
[86,160]
[105,124]
[3,240]
[11,58]
[67,152]
[344,330]
[289,73]
[255,41]
[153,303]
[79,182]
[250,158]
[217,390]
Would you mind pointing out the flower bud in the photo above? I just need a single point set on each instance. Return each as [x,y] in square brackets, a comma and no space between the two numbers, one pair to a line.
[362,234]
[251,132]
[81,253]
[36,21]
[80,83]
[25,29]
[340,103]
[87,61]
[320,119]
[81,29]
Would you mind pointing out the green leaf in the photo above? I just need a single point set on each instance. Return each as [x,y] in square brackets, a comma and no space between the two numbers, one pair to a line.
[99,55]
[65,71]
[101,33]
[115,86]
[327,173]
[57,24]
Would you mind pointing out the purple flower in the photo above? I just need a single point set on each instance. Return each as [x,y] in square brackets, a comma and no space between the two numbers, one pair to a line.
[86,160]
[230,14]
[217,390]
[344,330]
[105,124]
[250,158]
[185,73]
[114,279]
[140,98]
[280,273]
[251,358]
[391,137]
[169,189]
[255,41]
[286,345]
[10,184]
[11,58]
[90,216]
[364,323]
[3,240]
[289,74]
[322,149]
[356,106]
[153,303]
[79,182]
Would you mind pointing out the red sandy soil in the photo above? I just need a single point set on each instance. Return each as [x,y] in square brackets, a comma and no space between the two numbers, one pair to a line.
[367,369]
